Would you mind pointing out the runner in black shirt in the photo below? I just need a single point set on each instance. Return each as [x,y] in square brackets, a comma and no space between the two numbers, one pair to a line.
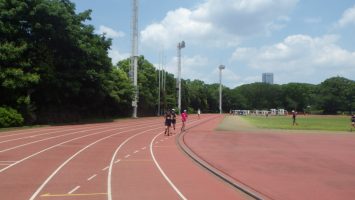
[167,122]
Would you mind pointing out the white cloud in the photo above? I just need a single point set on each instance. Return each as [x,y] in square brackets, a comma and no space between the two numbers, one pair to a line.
[191,67]
[348,18]
[244,17]
[219,22]
[300,57]
[109,32]
[117,56]
[200,67]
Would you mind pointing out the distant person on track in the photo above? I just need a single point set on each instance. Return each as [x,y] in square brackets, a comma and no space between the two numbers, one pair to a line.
[168,120]
[198,113]
[183,119]
[173,118]
[352,122]
[294,116]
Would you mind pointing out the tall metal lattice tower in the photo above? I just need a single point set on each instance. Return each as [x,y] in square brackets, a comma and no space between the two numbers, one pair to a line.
[134,56]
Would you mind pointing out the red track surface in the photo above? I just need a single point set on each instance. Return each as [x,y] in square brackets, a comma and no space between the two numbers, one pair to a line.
[127,159]
[280,165]
[132,159]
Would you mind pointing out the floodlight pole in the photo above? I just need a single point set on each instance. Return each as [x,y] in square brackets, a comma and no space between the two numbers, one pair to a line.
[159,84]
[179,47]
[134,56]
[221,67]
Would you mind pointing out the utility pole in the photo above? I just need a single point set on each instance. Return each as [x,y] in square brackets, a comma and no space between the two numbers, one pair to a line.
[159,76]
[179,47]
[134,56]
[221,67]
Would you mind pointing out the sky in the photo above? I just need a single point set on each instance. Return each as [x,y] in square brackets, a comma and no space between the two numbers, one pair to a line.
[304,41]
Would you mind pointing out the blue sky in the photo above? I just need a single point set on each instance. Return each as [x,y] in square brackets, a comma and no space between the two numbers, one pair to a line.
[298,40]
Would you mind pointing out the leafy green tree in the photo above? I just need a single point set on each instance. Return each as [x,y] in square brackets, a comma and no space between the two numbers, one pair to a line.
[336,94]
[197,98]
[18,74]
[213,98]
[55,62]
[147,85]
[261,95]
[298,96]
[238,101]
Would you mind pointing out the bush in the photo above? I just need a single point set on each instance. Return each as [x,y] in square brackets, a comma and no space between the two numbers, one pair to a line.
[10,117]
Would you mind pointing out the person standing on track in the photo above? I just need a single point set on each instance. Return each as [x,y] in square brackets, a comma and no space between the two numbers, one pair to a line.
[183,119]
[198,113]
[173,118]
[167,122]
[352,122]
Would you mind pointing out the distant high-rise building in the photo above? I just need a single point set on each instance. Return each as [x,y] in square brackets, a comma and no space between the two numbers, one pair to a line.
[268,78]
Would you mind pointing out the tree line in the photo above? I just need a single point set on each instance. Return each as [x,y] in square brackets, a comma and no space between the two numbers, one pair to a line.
[54,68]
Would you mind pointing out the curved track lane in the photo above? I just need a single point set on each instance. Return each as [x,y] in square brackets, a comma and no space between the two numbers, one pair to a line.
[130,159]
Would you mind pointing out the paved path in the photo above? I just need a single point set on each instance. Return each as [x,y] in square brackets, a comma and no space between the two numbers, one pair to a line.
[278,164]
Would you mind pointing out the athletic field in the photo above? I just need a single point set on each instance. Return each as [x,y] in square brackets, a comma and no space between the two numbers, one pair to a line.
[304,122]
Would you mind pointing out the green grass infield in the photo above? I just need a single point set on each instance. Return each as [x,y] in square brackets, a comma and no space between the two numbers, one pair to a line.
[304,122]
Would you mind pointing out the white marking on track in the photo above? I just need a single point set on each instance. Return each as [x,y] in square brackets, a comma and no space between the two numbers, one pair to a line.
[109,178]
[162,171]
[34,195]
[73,190]
[104,169]
[136,151]
[91,177]
[127,156]
[6,162]
[144,148]
[57,145]
[45,139]
[117,161]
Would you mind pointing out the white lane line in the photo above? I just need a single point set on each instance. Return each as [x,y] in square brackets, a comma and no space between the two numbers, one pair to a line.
[54,146]
[85,130]
[109,178]
[117,161]
[73,190]
[69,159]
[136,151]
[26,144]
[127,156]
[104,169]
[41,134]
[15,133]
[143,148]
[49,148]
[91,177]
[162,171]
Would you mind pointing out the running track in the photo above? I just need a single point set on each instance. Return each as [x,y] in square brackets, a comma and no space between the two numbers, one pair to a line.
[127,159]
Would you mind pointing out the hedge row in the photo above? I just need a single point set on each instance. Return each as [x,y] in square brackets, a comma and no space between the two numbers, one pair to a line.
[10,117]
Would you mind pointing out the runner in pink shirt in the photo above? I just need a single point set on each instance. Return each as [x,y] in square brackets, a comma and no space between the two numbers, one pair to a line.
[183,119]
